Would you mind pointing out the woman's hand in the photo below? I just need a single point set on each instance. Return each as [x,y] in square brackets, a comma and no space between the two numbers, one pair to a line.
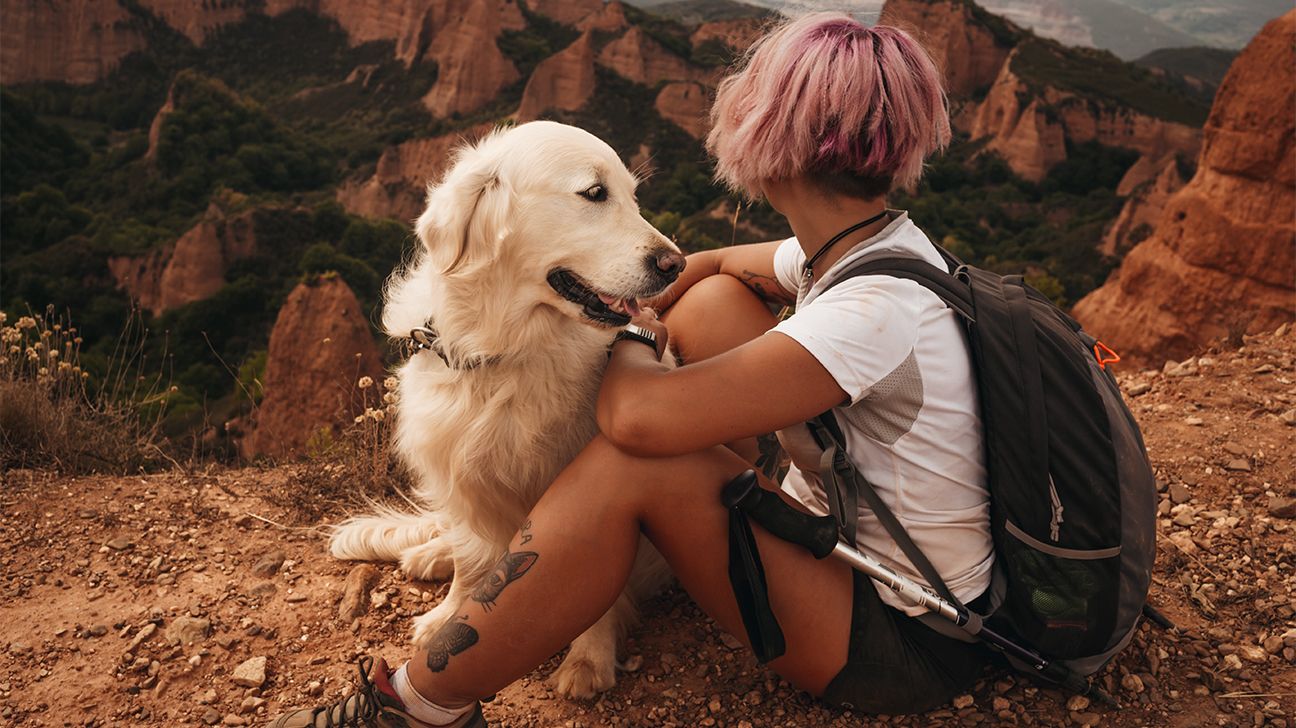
[647,318]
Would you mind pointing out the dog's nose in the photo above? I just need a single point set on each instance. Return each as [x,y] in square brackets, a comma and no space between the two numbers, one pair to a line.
[670,264]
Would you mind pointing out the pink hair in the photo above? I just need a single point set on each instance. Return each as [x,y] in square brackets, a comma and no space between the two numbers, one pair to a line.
[828,96]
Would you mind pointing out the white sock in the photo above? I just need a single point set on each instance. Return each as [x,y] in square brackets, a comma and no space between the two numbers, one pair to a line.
[424,709]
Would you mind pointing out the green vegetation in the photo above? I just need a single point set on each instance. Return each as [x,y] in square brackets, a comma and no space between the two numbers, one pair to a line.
[540,39]
[1101,76]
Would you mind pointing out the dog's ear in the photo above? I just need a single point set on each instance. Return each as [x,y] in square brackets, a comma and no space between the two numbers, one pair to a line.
[467,216]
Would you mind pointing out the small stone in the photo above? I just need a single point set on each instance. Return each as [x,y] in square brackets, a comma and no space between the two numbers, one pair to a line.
[1183,541]
[315,688]
[1289,417]
[355,593]
[730,641]
[1253,654]
[232,719]
[1179,493]
[119,544]
[98,630]
[250,704]
[1238,466]
[145,632]
[187,630]
[1289,638]
[1234,449]
[1282,507]
[296,598]
[1138,389]
[211,717]
[1084,720]
[1000,703]
[1077,703]
[1194,421]
[1132,683]
[1263,369]
[1184,518]
[269,564]
[1273,644]
[634,662]
[263,589]
[963,701]
[1232,663]
[250,673]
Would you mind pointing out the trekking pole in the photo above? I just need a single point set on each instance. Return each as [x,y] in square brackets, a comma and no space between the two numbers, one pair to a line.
[818,534]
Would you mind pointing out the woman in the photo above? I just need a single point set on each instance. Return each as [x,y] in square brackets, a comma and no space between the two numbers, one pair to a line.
[822,119]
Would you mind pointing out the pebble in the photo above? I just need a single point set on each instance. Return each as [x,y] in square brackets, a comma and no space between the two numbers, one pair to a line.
[1179,493]
[269,564]
[1077,703]
[1289,417]
[1138,389]
[1132,683]
[232,719]
[296,598]
[1253,653]
[187,630]
[355,593]
[1238,466]
[250,704]
[145,632]
[98,630]
[1184,518]
[1282,507]
[1194,421]
[1234,449]
[250,673]
[211,717]
[119,544]
[1232,663]
[315,688]
[963,701]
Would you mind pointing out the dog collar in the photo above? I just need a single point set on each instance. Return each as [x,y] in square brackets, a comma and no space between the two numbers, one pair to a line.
[426,338]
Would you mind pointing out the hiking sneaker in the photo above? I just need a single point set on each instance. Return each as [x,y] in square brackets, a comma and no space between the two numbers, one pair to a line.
[374,704]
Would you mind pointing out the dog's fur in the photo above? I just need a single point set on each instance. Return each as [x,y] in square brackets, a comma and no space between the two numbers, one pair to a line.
[485,441]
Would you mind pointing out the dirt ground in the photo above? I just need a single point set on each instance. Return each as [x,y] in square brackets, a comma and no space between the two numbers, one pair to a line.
[132,600]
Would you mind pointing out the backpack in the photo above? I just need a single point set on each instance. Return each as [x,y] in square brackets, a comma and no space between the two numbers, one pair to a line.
[1072,495]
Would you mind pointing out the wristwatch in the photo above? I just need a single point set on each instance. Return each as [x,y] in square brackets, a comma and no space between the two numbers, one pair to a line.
[634,332]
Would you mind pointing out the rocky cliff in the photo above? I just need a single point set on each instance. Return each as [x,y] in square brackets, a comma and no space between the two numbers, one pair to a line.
[321,345]
[641,59]
[398,186]
[687,105]
[969,50]
[564,80]
[190,269]
[1223,257]
[1145,200]
[77,41]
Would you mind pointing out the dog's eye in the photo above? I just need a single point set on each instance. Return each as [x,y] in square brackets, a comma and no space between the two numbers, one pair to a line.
[597,193]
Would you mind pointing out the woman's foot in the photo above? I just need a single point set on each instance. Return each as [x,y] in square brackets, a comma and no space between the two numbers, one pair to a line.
[374,704]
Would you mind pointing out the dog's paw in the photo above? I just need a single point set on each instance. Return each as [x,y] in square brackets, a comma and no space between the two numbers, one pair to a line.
[431,561]
[580,677]
[427,626]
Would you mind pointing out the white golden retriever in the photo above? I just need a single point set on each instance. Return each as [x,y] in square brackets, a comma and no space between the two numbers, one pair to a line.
[534,254]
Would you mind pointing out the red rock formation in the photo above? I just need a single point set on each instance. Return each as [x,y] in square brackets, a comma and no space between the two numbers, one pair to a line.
[686,104]
[196,19]
[155,128]
[190,269]
[1223,257]
[643,60]
[398,187]
[471,69]
[320,346]
[967,51]
[564,80]
[611,17]
[1030,128]
[738,33]
[1146,201]
[569,12]
[77,41]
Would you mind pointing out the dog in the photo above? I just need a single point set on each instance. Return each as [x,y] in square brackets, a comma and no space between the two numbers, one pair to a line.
[533,255]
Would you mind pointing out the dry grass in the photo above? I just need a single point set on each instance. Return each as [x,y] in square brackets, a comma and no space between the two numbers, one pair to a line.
[352,469]
[50,418]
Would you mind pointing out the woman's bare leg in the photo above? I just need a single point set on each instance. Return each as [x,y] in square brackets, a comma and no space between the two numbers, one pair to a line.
[571,559]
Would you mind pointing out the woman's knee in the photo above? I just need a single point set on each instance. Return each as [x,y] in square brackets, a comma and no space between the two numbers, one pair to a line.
[714,315]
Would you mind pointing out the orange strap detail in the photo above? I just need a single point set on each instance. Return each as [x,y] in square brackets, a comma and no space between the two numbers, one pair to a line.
[1104,355]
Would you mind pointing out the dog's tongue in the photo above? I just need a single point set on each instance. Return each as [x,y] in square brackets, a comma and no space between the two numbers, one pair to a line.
[632,306]
[606,299]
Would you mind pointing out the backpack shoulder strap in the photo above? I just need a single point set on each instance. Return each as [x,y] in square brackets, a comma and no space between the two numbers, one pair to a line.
[952,288]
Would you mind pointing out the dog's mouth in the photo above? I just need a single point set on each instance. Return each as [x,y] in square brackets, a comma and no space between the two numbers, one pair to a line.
[602,308]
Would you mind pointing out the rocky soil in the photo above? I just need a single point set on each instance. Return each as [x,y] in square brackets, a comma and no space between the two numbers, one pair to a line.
[185,598]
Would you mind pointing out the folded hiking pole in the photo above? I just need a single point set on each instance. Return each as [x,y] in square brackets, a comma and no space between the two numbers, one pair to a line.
[819,535]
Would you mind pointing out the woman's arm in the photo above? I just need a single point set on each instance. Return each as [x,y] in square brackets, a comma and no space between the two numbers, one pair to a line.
[753,264]
[649,409]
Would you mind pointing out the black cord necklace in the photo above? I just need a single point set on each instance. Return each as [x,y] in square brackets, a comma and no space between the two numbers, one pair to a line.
[808,270]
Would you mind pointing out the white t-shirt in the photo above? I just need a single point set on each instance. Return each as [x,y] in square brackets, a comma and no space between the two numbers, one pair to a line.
[913,427]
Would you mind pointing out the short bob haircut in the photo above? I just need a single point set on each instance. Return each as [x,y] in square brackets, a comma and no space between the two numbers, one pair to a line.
[855,108]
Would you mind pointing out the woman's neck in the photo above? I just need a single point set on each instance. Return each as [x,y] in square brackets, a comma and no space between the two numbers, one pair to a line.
[816,217]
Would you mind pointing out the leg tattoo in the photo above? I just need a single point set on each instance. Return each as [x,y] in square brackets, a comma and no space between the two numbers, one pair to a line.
[453,639]
[509,569]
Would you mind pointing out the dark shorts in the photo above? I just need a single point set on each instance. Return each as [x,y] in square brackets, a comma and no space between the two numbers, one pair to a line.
[896,664]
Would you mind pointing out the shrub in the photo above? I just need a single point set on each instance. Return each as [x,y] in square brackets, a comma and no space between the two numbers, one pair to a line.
[50,417]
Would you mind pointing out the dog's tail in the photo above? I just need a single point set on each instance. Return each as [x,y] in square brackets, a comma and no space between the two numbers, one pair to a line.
[382,536]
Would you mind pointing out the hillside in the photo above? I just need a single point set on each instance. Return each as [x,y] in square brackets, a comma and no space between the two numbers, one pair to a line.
[1106,24]
[129,601]
[199,172]
[1221,23]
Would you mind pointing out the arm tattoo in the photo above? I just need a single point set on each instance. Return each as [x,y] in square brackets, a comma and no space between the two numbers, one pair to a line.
[509,569]
[766,287]
[453,639]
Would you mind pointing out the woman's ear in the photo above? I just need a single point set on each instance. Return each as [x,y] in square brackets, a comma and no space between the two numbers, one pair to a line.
[467,216]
